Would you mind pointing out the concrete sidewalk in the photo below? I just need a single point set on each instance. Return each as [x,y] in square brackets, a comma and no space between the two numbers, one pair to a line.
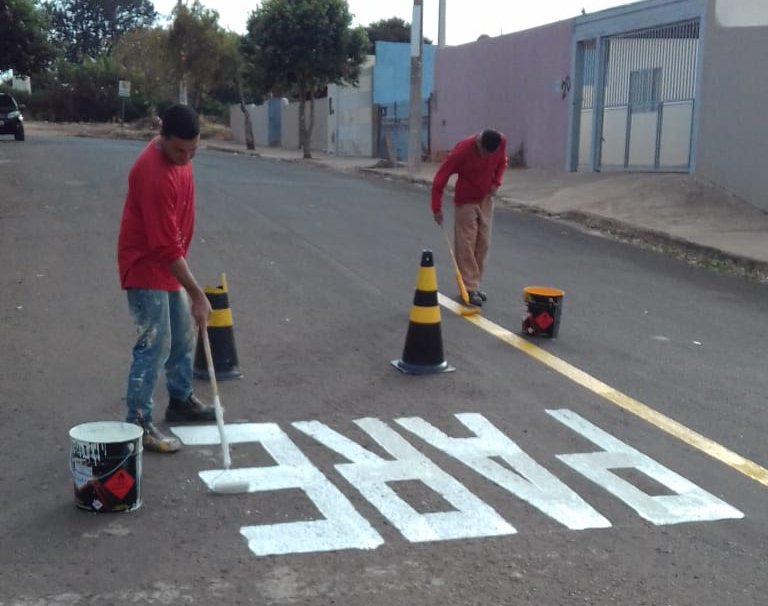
[677,213]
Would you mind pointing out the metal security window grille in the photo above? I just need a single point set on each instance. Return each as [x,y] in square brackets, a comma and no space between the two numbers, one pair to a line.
[644,89]
[671,49]
[638,98]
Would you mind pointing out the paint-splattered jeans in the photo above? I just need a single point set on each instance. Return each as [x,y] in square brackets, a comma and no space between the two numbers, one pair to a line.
[166,339]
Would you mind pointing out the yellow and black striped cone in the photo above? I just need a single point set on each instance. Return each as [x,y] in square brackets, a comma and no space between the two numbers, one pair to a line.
[221,334]
[423,351]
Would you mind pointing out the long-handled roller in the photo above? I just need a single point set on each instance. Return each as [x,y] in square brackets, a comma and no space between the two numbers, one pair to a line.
[221,484]
[468,309]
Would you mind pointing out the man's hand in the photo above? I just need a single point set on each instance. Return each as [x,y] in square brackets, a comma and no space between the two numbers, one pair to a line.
[200,309]
[438,217]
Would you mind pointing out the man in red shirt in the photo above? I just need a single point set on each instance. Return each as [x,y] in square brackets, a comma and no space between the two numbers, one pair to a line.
[479,161]
[166,302]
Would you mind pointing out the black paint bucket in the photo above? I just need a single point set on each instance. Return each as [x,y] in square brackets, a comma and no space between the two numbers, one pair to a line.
[544,306]
[105,461]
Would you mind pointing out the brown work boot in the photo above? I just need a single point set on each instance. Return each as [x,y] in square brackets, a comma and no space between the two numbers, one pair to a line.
[156,441]
[190,410]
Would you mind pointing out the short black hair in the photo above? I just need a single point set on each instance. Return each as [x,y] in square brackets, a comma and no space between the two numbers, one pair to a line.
[490,139]
[180,121]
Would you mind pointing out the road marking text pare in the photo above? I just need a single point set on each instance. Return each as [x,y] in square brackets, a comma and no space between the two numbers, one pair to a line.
[487,451]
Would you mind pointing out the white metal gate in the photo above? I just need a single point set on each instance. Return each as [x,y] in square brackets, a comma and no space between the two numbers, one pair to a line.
[642,116]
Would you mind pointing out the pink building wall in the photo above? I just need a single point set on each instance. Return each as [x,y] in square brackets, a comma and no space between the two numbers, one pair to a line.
[513,83]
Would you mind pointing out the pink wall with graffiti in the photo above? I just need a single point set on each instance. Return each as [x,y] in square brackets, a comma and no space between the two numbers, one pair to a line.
[518,83]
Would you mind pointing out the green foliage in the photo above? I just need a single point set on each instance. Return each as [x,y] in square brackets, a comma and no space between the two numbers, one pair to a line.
[90,28]
[301,46]
[84,92]
[388,30]
[142,56]
[393,29]
[24,47]
[232,86]
[196,44]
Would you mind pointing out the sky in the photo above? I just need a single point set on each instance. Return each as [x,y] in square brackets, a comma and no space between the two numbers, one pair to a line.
[466,20]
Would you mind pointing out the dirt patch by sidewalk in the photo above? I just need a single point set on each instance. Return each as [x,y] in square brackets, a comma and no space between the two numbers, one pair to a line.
[110,130]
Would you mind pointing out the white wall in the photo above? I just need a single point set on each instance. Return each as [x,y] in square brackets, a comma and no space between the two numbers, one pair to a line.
[22,83]
[290,126]
[259,123]
[732,134]
[350,126]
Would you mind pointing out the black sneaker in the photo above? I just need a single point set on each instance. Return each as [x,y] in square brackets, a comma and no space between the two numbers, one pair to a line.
[475,298]
[190,410]
[156,441]
[483,295]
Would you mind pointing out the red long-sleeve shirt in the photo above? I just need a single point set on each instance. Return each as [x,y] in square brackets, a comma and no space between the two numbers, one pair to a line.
[158,221]
[477,172]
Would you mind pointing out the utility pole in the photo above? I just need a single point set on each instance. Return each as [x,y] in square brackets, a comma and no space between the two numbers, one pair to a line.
[414,110]
[441,23]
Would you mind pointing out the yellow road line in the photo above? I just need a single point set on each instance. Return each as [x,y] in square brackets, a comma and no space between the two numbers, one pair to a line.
[622,400]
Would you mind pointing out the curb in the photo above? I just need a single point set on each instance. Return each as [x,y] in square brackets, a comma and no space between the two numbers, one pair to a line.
[698,255]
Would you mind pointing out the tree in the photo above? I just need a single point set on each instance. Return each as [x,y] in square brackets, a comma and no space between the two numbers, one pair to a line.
[142,57]
[390,30]
[90,28]
[24,47]
[196,43]
[231,70]
[301,46]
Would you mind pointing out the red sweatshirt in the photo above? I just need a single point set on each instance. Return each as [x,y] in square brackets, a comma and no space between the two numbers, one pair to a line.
[477,173]
[158,219]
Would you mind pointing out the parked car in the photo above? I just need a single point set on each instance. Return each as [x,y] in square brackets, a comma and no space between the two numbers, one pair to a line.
[11,120]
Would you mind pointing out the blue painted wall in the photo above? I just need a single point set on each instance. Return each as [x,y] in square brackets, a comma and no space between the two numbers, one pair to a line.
[391,92]
[392,72]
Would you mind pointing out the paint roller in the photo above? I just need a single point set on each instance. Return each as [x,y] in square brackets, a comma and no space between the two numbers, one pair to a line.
[467,309]
[223,483]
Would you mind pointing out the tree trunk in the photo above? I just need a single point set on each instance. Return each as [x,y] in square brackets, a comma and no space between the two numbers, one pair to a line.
[183,96]
[249,144]
[304,133]
[311,124]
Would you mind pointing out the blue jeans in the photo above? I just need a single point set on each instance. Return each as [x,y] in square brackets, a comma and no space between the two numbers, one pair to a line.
[166,338]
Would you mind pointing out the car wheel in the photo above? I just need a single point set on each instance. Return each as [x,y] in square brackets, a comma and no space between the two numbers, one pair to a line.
[19,134]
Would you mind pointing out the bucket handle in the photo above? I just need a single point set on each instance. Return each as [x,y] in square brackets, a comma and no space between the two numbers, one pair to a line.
[111,471]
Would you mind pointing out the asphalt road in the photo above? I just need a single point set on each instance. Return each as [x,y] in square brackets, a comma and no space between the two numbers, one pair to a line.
[358,493]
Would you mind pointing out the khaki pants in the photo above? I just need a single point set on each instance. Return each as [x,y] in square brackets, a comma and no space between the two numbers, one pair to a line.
[472,238]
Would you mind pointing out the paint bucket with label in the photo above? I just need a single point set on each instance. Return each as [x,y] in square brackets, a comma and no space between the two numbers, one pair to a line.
[105,461]
[543,307]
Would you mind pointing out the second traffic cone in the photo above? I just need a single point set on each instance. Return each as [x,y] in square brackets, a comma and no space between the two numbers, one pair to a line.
[423,351]
[222,337]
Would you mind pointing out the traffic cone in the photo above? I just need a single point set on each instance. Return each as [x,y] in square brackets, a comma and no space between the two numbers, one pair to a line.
[222,337]
[423,351]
